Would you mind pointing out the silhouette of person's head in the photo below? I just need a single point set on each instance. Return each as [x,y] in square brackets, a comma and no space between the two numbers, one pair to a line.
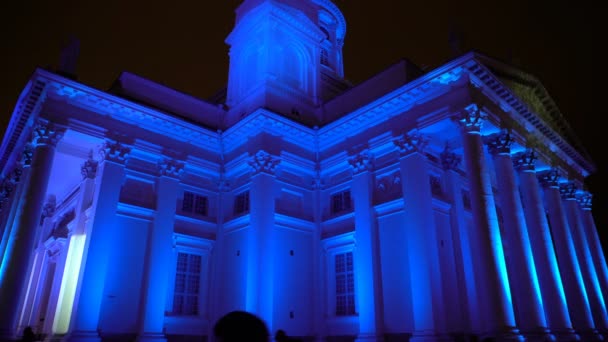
[28,334]
[238,326]
[280,336]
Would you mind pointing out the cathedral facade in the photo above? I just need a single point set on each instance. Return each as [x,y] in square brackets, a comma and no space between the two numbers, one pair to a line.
[438,205]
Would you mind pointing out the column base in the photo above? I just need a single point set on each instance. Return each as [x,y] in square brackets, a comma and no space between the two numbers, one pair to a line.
[429,336]
[591,336]
[539,335]
[566,335]
[508,335]
[83,336]
[152,337]
[369,338]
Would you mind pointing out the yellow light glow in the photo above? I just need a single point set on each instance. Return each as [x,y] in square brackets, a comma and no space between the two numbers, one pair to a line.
[69,282]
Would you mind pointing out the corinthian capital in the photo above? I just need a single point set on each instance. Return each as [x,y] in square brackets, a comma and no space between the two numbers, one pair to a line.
[410,143]
[114,151]
[585,200]
[171,168]
[568,191]
[449,159]
[499,143]
[360,162]
[89,168]
[47,133]
[549,178]
[28,155]
[525,161]
[263,162]
[472,118]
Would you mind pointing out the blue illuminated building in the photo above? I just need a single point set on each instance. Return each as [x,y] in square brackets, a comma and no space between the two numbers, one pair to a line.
[438,205]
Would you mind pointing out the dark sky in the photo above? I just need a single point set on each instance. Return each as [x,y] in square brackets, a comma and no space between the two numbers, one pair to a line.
[181,44]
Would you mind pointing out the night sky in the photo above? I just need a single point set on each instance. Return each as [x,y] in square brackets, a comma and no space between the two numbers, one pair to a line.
[181,44]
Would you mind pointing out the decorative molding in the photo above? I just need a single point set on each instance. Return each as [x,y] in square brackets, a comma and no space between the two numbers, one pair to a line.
[47,133]
[360,162]
[171,168]
[263,162]
[549,178]
[525,161]
[472,118]
[568,190]
[114,151]
[499,143]
[27,155]
[89,168]
[410,143]
[585,199]
[450,161]
[50,206]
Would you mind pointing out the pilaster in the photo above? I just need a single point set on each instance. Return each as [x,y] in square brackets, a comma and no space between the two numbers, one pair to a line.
[420,238]
[367,263]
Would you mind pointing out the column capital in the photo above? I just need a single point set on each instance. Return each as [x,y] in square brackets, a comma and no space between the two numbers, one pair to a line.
[471,118]
[28,155]
[50,206]
[171,168]
[524,161]
[449,160]
[46,133]
[360,162]
[499,143]
[264,162]
[89,168]
[585,199]
[549,178]
[410,143]
[568,190]
[114,151]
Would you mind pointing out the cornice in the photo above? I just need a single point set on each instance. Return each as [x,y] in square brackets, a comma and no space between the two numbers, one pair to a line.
[122,110]
[493,88]
[263,120]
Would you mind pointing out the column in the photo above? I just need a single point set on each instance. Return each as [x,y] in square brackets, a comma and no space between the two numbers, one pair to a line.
[590,279]
[521,267]
[465,265]
[262,245]
[549,275]
[158,263]
[595,246]
[99,235]
[20,246]
[495,293]
[367,263]
[576,295]
[426,291]
[11,192]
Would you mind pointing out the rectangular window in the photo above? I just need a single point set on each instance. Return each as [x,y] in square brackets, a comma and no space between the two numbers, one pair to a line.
[341,202]
[241,203]
[193,203]
[345,284]
[187,284]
